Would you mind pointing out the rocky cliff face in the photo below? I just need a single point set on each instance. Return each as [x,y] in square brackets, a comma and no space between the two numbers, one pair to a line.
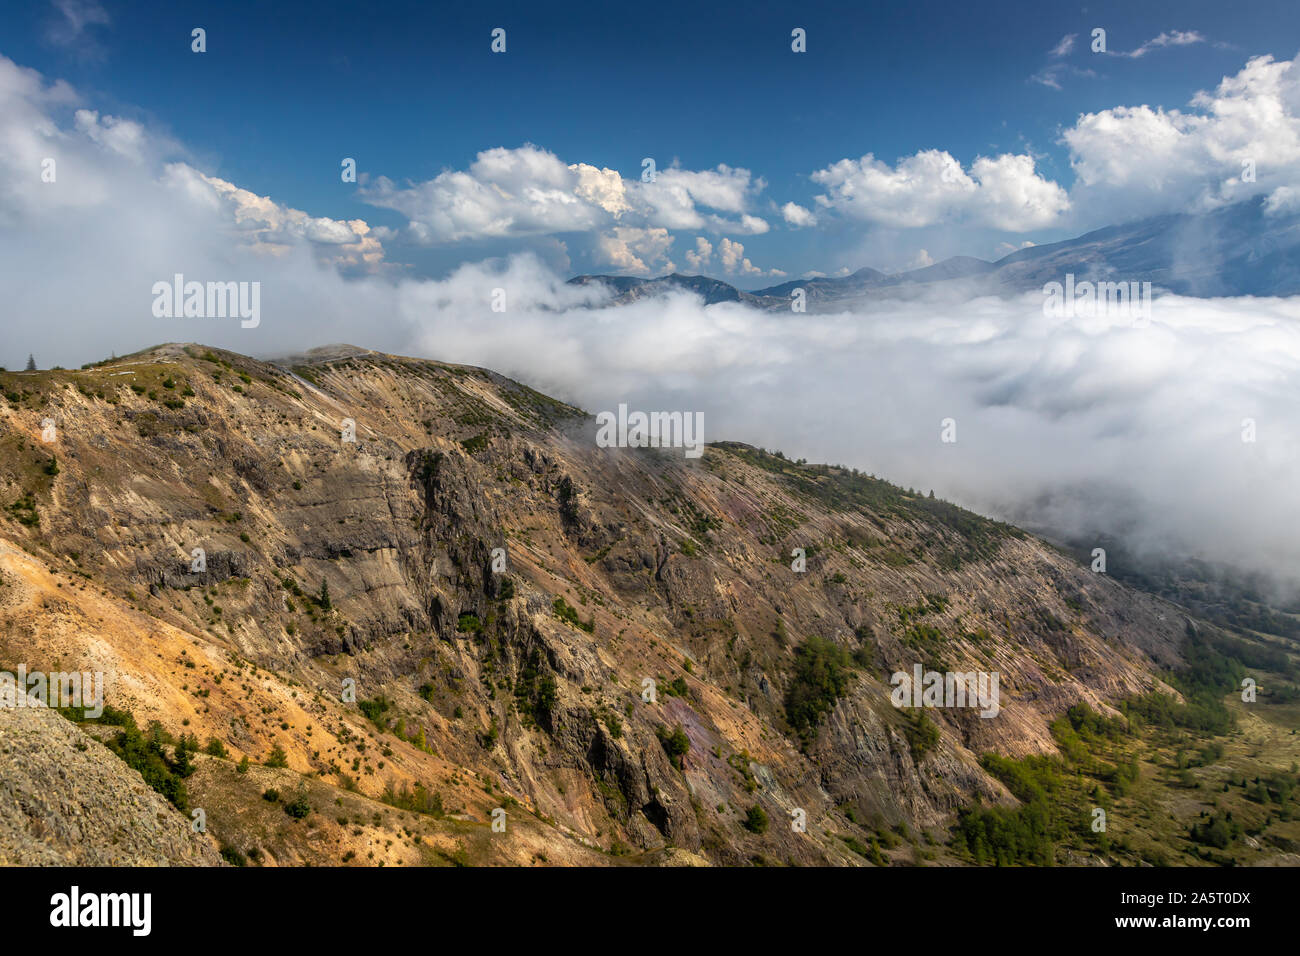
[471,596]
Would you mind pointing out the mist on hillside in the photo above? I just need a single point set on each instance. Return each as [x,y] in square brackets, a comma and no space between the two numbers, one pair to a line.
[1178,435]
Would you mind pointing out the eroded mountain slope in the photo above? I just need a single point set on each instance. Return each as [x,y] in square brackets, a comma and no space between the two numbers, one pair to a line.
[371,561]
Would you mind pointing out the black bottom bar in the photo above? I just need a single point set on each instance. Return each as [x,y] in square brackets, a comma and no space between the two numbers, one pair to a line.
[341,906]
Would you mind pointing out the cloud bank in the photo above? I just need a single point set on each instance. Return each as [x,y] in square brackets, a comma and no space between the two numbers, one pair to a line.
[1085,425]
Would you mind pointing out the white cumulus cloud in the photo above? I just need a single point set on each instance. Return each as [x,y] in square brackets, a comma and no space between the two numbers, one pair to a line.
[930,187]
[1139,160]
[529,191]
[797,216]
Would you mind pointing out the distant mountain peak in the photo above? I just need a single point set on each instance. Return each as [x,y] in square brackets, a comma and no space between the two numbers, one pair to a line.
[1234,250]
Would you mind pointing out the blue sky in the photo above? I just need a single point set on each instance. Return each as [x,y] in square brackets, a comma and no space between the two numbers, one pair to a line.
[411,90]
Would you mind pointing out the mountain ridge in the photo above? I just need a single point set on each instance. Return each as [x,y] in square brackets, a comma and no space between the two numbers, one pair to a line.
[1237,250]
[328,560]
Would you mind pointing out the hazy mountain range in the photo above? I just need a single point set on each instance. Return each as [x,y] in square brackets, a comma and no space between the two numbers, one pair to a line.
[1243,249]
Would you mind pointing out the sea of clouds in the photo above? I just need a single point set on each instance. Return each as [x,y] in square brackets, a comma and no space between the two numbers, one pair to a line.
[1080,425]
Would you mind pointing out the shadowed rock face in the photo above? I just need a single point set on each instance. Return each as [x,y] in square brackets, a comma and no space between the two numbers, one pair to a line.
[622,565]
